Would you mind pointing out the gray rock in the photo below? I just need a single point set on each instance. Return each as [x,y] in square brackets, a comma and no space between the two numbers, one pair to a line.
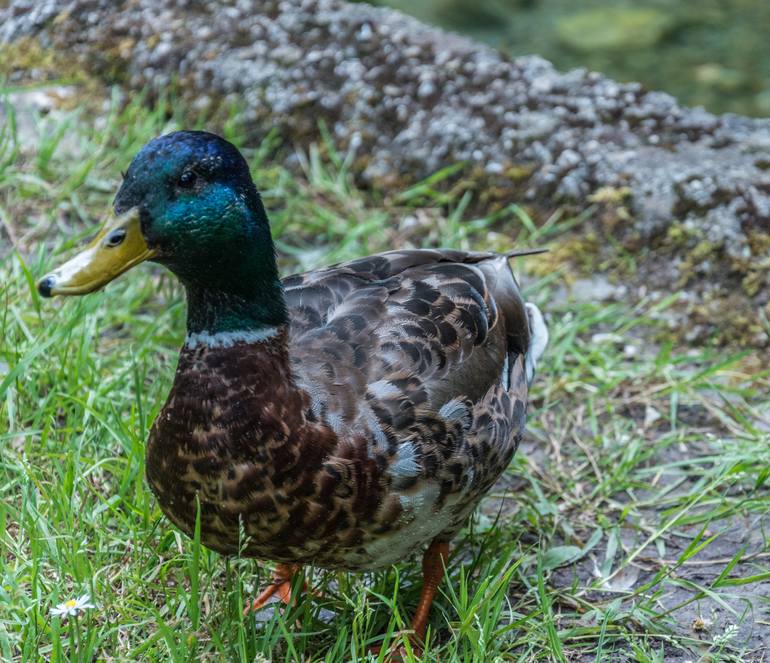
[408,99]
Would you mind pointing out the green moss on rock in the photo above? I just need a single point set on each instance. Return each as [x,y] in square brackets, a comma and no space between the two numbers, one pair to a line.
[617,29]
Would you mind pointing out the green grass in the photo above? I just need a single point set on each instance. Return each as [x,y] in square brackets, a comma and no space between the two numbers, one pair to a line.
[611,532]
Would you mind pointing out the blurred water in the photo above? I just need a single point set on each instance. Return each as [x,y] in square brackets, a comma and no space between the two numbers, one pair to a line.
[714,53]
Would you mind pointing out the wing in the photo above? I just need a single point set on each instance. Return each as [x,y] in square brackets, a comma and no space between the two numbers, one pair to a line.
[416,360]
[403,332]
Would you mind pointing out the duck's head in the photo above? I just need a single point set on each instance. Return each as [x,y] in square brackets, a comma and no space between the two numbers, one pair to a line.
[188,202]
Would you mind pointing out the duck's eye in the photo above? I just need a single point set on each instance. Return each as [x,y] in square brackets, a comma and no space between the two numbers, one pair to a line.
[187,179]
[115,238]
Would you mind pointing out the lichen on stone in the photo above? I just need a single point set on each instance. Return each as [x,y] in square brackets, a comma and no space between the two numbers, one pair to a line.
[407,100]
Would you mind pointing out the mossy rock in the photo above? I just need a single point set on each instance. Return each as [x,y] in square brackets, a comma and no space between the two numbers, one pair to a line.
[718,77]
[614,29]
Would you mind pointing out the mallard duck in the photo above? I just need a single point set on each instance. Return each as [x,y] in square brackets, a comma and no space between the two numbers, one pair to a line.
[345,417]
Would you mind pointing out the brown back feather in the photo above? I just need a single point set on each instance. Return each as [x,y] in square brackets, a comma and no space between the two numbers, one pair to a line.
[435,324]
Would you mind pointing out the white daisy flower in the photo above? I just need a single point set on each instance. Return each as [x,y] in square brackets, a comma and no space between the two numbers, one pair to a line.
[72,607]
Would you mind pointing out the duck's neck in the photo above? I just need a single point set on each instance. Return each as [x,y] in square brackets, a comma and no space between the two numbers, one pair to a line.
[230,274]
[245,304]
[217,317]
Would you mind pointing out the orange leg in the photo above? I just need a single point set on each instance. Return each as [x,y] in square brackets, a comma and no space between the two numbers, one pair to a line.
[434,563]
[281,585]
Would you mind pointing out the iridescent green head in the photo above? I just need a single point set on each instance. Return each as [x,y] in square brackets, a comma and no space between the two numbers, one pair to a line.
[188,202]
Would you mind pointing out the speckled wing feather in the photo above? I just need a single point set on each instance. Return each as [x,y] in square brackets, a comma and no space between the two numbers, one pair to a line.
[430,320]
[422,353]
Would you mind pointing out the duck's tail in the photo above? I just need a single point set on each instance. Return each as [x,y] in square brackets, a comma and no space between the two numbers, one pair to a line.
[517,253]
[538,339]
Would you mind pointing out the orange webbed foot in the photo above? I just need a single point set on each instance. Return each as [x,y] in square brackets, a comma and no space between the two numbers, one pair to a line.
[281,585]
[398,653]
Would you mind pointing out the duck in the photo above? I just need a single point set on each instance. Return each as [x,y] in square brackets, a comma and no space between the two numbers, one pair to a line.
[345,418]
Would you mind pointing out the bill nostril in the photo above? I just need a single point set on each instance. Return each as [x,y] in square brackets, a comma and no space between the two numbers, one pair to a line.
[45,285]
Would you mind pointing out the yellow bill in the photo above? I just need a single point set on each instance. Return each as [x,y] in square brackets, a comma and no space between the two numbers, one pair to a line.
[117,247]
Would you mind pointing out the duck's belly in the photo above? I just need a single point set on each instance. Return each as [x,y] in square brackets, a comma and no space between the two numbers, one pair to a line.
[421,522]
[333,511]
[303,530]
[354,549]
